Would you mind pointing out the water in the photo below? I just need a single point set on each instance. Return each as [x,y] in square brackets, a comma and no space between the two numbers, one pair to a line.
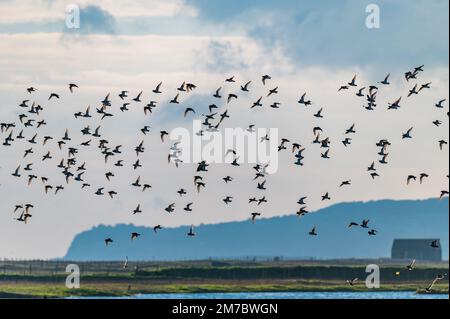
[291,295]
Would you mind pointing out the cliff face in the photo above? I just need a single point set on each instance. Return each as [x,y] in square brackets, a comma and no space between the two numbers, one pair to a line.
[284,236]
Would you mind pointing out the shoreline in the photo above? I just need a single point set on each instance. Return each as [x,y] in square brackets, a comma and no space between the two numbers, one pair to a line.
[111,279]
[27,290]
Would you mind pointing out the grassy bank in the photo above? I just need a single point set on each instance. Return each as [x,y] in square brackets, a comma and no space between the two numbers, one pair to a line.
[110,279]
[40,288]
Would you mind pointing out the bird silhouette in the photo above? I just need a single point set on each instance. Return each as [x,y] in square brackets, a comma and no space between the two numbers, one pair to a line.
[72,86]
[191,232]
[410,267]
[313,232]
[352,282]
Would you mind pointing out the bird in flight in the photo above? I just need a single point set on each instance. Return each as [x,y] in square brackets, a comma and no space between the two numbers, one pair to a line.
[438,278]
[353,82]
[135,236]
[352,282]
[408,135]
[266,78]
[254,217]
[245,87]
[72,87]
[386,80]
[410,267]
[157,90]
[352,224]
[435,244]
[365,223]
[108,241]
[53,96]
[191,232]
[411,178]
[170,208]
[157,228]
[326,197]
[440,104]
[189,110]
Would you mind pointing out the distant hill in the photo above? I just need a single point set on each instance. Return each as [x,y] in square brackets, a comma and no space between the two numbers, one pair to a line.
[283,236]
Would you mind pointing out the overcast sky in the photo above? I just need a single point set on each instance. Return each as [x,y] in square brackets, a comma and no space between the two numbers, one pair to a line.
[306,46]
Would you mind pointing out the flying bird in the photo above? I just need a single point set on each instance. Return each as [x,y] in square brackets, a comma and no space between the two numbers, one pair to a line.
[438,278]
[157,90]
[313,232]
[386,80]
[72,87]
[189,110]
[191,232]
[410,267]
[266,78]
[352,282]
[408,135]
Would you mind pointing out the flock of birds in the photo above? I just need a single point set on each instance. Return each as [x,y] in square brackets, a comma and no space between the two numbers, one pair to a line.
[30,120]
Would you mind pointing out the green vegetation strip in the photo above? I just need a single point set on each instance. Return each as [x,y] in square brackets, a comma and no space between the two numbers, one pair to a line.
[186,278]
[114,289]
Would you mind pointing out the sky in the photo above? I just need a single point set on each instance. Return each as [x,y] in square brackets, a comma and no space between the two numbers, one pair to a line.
[306,46]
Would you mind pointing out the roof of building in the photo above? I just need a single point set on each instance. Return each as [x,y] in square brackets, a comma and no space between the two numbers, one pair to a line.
[399,243]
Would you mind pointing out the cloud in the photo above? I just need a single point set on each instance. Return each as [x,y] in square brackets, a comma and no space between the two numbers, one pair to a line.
[26,11]
[327,33]
[94,20]
[334,33]
[223,57]
[147,8]
[218,10]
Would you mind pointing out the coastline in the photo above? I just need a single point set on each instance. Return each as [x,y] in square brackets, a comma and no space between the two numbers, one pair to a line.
[111,279]
[30,290]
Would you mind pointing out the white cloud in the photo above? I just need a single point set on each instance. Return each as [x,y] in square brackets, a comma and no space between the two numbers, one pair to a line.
[25,11]
[140,8]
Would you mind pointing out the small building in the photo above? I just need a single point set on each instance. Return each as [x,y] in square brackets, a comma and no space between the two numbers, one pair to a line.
[419,249]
